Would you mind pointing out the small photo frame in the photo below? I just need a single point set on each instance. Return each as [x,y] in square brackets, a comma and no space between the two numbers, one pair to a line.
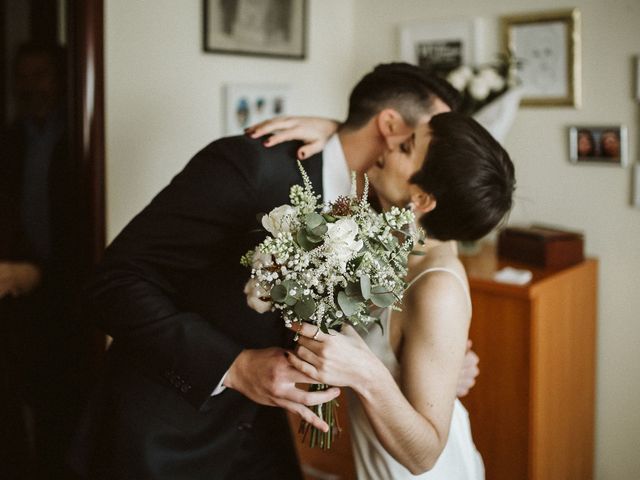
[441,46]
[547,48]
[266,28]
[602,144]
[250,104]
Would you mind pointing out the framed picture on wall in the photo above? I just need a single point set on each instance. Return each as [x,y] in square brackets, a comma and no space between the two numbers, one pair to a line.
[605,144]
[547,47]
[268,28]
[441,46]
[249,104]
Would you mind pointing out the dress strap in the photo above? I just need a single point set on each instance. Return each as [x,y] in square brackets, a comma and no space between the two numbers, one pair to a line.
[461,281]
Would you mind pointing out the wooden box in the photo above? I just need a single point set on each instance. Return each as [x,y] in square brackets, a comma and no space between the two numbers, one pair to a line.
[541,246]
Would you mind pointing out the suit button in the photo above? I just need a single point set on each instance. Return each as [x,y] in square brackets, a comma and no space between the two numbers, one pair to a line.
[245,426]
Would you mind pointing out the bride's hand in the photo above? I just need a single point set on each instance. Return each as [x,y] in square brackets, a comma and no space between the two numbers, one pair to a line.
[341,359]
[313,131]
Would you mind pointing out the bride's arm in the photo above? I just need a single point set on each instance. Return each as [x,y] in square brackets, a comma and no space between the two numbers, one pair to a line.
[412,419]
[313,131]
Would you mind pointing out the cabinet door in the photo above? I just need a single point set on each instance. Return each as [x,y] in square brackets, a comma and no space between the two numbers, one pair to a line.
[498,404]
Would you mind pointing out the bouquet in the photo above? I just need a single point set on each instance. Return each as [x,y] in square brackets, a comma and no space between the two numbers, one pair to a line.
[327,265]
[479,86]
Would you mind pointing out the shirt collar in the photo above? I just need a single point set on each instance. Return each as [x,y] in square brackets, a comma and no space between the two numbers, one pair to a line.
[336,177]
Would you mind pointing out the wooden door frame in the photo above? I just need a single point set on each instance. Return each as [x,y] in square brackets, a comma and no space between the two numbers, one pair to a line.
[86,44]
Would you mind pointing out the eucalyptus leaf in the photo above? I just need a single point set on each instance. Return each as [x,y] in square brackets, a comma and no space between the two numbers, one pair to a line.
[348,306]
[381,297]
[319,231]
[418,253]
[329,218]
[313,220]
[365,286]
[279,293]
[305,308]
[383,300]
[303,241]
[291,301]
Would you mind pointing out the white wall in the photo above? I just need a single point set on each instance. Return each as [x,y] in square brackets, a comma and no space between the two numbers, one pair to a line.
[594,199]
[164,94]
[164,103]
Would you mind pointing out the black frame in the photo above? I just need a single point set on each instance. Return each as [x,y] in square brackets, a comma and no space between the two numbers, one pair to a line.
[254,53]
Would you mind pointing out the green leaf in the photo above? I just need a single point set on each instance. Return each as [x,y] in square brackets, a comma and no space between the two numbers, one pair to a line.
[291,301]
[318,231]
[305,308]
[279,293]
[418,253]
[303,241]
[365,286]
[352,289]
[329,218]
[381,297]
[348,306]
[313,220]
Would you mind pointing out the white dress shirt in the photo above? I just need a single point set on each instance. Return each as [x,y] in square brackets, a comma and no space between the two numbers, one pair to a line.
[336,181]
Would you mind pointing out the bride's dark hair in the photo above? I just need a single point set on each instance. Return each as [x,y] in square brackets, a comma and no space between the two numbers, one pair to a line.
[470,175]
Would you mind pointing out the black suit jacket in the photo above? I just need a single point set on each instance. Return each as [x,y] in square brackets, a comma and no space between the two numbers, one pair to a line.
[170,292]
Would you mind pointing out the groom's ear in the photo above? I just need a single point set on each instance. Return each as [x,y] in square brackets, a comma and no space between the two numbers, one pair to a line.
[393,128]
[422,201]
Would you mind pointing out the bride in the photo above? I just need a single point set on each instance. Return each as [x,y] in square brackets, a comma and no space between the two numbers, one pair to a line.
[406,421]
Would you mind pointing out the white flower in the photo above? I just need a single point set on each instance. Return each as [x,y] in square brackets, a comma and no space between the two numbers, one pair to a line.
[254,292]
[280,219]
[341,239]
[460,77]
[261,260]
[492,78]
[479,88]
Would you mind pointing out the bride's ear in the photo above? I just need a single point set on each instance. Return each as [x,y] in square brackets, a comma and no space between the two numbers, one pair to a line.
[422,201]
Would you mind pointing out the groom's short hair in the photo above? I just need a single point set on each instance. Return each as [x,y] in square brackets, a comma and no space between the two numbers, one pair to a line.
[406,88]
[470,175]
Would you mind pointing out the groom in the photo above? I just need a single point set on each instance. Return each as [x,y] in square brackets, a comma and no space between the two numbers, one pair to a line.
[193,374]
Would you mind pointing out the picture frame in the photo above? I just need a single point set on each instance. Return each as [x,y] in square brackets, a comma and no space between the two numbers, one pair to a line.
[443,45]
[547,47]
[603,144]
[248,104]
[262,28]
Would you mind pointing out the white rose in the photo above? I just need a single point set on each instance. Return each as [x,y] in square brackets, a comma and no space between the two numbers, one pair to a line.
[341,239]
[279,219]
[479,88]
[492,78]
[255,293]
[261,260]
[459,77]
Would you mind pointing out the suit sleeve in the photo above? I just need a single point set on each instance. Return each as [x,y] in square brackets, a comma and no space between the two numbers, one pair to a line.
[136,291]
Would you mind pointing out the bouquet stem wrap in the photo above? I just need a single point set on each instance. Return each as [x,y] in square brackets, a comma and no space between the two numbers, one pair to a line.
[329,413]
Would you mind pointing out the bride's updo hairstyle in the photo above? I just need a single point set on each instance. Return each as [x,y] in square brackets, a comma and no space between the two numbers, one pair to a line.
[406,88]
[470,175]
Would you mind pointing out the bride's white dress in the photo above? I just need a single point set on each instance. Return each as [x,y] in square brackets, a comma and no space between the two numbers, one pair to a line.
[459,460]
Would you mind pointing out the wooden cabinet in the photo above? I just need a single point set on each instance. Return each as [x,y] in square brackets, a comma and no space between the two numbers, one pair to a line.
[532,409]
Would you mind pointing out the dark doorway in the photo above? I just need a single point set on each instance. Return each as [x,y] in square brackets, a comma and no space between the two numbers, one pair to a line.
[52,227]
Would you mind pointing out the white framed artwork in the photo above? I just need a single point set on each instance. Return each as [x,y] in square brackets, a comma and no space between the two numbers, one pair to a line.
[248,104]
[441,45]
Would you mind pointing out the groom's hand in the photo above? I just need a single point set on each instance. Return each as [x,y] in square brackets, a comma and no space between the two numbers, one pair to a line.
[266,377]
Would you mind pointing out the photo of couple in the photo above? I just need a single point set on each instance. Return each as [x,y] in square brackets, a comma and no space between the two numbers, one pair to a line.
[197,384]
